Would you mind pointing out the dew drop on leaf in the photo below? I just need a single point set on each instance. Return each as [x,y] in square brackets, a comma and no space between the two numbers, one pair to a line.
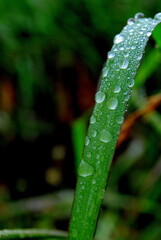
[93,133]
[104,72]
[117,89]
[131,83]
[158,16]
[105,136]
[118,38]
[111,55]
[148,34]
[92,120]
[85,169]
[120,119]
[87,141]
[124,64]
[130,21]
[99,97]
[138,15]
[112,103]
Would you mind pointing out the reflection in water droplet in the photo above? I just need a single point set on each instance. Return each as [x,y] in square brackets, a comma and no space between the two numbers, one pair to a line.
[105,136]
[117,89]
[112,103]
[104,72]
[99,97]
[158,16]
[130,21]
[120,119]
[118,38]
[139,15]
[110,55]
[124,64]
[85,169]
[87,141]
[92,120]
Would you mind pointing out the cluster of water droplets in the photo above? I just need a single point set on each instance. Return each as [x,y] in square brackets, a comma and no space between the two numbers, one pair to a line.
[123,44]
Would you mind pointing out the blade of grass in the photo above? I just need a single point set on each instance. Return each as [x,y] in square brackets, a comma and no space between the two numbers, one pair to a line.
[111,103]
[32,233]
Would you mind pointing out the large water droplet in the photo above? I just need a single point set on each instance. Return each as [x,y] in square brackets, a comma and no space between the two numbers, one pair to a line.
[92,120]
[112,103]
[104,72]
[158,16]
[105,136]
[87,141]
[117,89]
[85,169]
[118,38]
[100,97]
[124,64]
[139,15]
[120,119]
[130,21]
[131,83]
[111,55]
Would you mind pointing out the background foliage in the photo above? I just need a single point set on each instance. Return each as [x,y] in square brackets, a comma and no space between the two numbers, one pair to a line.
[51,55]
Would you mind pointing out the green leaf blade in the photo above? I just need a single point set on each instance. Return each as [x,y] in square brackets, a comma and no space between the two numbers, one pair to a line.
[111,103]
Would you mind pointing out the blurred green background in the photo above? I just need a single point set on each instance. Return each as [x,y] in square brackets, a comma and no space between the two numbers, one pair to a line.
[51,55]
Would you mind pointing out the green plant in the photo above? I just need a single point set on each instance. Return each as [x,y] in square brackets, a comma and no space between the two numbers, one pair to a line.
[111,103]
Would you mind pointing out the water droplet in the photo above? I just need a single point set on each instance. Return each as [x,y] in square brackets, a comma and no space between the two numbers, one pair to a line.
[101,193]
[110,55]
[112,103]
[120,119]
[127,97]
[126,54]
[118,38]
[133,47]
[158,16]
[100,97]
[104,72]
[131,83]
[85,169]
[117,89]
[140,56]
[139,15]
[87,141]
[92,120]
[93,181]
[88,154]
[93,133]
[124,64]
[148,34]
[105,136]
[130,21]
